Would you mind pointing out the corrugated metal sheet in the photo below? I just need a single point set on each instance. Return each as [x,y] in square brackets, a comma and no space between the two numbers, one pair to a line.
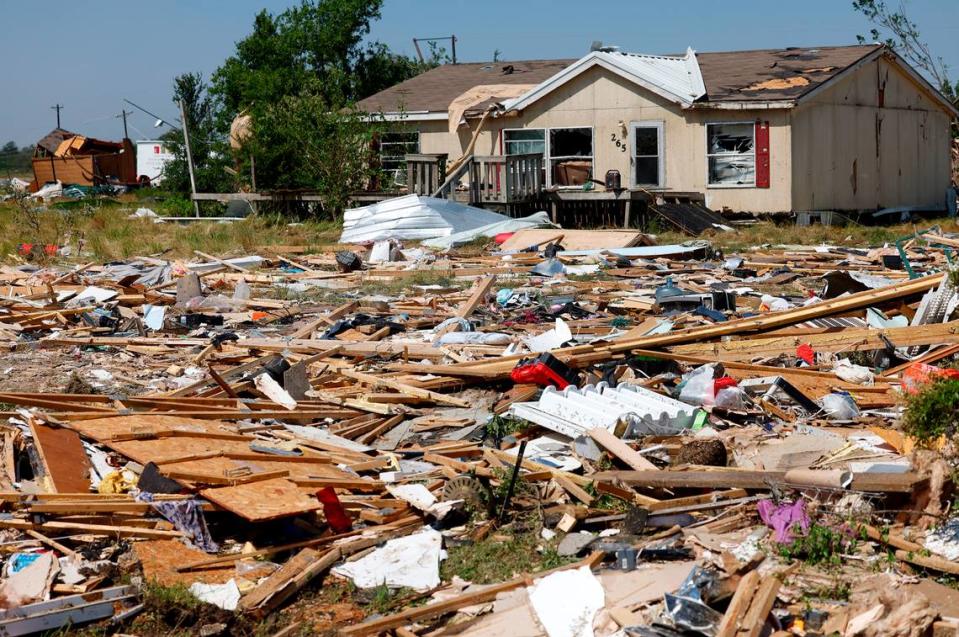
[678,75]
[573,411]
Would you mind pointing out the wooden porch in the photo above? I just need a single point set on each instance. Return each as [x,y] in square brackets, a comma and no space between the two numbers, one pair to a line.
[514,184]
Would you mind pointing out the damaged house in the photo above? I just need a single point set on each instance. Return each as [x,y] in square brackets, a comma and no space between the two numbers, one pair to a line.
[847,128]
[74,159]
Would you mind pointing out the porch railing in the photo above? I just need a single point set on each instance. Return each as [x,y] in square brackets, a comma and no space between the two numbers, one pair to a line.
[425,173]
[491,178]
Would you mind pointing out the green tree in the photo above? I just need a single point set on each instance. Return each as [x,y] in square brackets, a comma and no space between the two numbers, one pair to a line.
[301,142]
[318,43]
[211,156]
[9,147]
[894,28]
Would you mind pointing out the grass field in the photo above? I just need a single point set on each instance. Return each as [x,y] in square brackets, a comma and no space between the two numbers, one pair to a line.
[101,230]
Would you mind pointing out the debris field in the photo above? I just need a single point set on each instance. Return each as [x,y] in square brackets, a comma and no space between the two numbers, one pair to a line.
[562,433]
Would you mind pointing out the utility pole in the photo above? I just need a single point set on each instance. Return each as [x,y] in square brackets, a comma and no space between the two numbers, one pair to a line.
[189,159]
[123,114]
[57,109]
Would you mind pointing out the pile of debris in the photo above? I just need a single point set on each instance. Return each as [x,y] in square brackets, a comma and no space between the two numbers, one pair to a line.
[687,442]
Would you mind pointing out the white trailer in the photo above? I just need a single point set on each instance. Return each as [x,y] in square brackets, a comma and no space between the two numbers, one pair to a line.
[152,158]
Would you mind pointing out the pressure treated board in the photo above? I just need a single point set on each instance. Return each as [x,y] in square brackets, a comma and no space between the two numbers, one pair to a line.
[575,239]
[68,466]
[261,501]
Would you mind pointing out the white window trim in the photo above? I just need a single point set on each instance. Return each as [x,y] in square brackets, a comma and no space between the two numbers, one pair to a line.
[510,130]
[706,126]
[659,125]
[549,154]
[419,141]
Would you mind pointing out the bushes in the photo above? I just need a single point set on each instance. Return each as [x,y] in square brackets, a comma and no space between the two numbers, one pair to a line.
[933,411]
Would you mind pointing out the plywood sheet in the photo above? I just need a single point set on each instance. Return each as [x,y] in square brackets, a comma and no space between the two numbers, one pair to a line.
[68,467]
[218,467]
[261,501]
[161,558]
[575,239]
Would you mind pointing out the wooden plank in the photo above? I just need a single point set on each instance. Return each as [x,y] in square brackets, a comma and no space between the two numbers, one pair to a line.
[67,464]
[762,602]
[738,605]
[376,381]
[605,439]
[744,479]
[480,290]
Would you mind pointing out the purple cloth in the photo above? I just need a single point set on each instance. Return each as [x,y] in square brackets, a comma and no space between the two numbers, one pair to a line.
[784,518]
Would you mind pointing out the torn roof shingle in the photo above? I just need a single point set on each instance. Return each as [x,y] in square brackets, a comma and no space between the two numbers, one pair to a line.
[740,76]
[774,74]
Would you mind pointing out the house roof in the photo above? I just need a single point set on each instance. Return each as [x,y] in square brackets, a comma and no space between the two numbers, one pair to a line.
[676,78]
[765,75]
[775,74]
[52,140]
[433,90]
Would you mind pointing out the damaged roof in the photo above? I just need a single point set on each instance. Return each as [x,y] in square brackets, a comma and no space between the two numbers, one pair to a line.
[52,140]
[433,90]
[774,74]
[731,76]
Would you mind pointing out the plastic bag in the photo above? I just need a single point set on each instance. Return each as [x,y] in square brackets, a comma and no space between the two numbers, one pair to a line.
[699,386]
[840,406]
[730,398]
[773,303]
[475,338]
[852,373]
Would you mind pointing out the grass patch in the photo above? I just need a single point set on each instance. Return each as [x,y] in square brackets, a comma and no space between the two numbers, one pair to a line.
[822,546]
[931,413]
[495,560]
[101,230]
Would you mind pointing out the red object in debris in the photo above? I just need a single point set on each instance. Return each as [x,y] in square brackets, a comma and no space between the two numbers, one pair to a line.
[50,249]
[336,516]
[806,353]
[502,237]
[543,370]
[25,249]
[918,374]
[723,382]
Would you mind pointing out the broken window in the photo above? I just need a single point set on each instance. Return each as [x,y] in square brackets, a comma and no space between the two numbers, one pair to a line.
[393,150]
[647,145]
[731,153]
[571,155]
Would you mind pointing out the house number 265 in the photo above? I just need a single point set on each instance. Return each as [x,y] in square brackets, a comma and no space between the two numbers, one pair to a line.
[620,144]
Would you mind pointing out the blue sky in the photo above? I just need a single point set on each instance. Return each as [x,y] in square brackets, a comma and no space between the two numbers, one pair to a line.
[90,54]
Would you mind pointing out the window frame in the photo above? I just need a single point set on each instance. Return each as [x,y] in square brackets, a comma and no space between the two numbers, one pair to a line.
[752,125]
[548,151]
[402,158]
[660,127]
[506,142]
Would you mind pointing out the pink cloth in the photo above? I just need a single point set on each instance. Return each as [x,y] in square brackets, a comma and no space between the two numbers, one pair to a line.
[784,518]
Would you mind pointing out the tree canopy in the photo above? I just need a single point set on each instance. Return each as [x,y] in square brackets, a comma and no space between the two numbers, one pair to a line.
[297,75]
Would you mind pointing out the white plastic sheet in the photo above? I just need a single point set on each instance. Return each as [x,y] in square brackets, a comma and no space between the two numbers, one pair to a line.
[412,561]
[412,217]
[566,602]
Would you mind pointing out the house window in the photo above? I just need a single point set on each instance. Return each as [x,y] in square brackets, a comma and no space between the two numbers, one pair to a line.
[570,156]
[393,150]
[647,143]
[520,141]
[731,154]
